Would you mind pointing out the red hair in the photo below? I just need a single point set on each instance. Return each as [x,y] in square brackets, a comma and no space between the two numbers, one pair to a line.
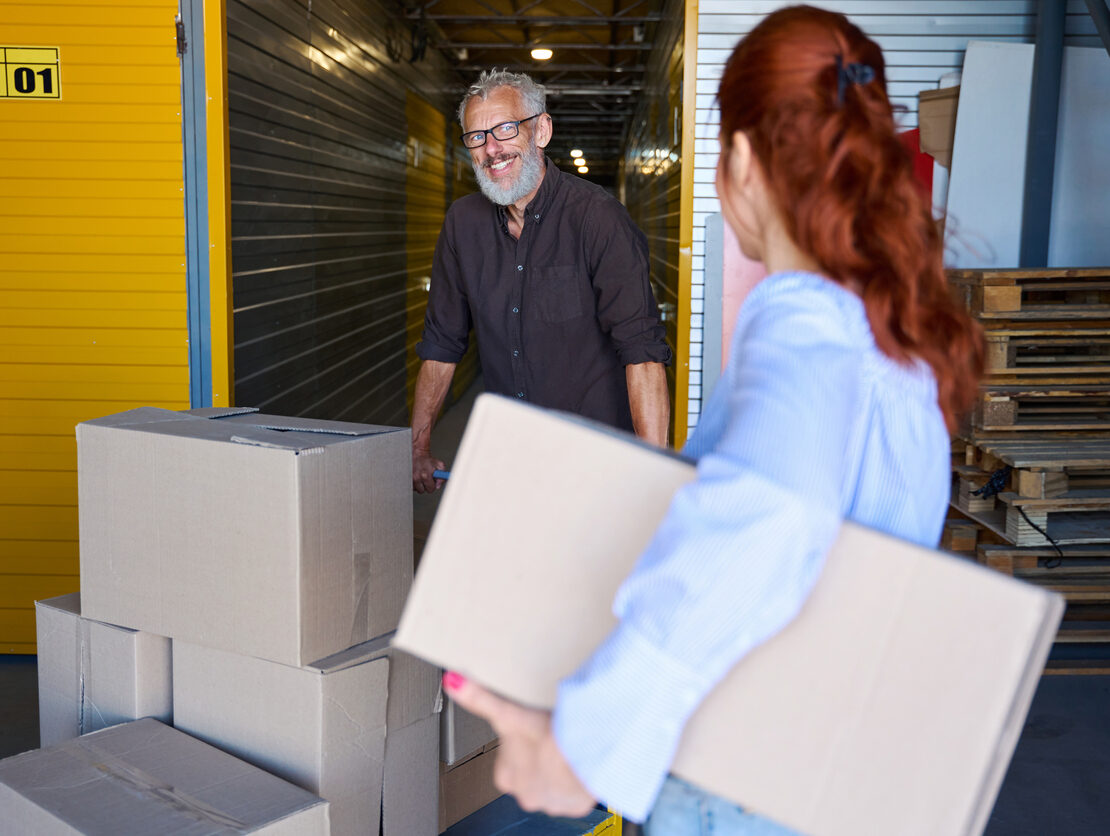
[845,186]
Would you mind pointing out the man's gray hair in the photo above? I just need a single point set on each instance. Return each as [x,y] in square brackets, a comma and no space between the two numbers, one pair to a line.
[533,94]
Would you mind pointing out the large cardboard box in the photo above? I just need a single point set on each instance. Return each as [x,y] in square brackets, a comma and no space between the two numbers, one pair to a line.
[462,735]
[466,787]
[891,704]
[343,727]
[936,120]
[93,675]
[144,777]
[284,538]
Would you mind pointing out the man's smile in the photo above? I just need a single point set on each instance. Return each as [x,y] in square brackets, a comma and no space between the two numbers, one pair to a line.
[498,164]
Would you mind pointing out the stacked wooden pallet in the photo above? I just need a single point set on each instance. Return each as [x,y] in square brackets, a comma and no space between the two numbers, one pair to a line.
[1031,469]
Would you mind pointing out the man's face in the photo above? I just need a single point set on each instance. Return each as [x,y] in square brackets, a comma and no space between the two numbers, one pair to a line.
[511,169]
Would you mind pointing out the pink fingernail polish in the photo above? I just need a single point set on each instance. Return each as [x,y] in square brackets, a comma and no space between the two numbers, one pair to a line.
[453,681]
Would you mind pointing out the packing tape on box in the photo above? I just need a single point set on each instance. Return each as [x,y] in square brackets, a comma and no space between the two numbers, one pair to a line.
[148,786]
[361,593]
[85,705]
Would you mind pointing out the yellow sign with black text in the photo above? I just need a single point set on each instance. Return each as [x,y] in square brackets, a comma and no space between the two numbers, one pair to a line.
[30,72]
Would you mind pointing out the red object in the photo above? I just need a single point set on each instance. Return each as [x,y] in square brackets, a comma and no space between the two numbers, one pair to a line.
[922,163]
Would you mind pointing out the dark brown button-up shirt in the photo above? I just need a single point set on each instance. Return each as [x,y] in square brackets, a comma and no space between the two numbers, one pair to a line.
[560,312]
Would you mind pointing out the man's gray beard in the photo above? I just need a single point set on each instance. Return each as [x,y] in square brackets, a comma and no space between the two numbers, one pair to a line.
[531,173]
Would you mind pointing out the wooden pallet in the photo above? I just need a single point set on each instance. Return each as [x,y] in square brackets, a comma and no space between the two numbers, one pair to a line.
[1043,408]
[1082,576]
[1075,294]
[1045,354]
[1072,518]
[1083,562]
[1041,468]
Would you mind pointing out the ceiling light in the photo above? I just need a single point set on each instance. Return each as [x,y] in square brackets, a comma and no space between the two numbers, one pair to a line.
[541,53]
[583,169]
[579,161]
[576,153]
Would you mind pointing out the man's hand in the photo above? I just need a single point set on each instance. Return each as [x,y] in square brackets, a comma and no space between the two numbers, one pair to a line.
[529,765]
[423,465]
[432,382]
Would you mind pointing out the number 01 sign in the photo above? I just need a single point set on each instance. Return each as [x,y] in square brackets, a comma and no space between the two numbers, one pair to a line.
[30,73]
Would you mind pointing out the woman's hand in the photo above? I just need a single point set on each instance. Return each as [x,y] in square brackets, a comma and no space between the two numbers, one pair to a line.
[529,765]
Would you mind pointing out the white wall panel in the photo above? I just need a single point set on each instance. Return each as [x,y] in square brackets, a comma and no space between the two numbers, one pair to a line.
[921,41]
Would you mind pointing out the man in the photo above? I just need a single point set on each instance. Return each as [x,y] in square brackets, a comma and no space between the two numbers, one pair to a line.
[551,273]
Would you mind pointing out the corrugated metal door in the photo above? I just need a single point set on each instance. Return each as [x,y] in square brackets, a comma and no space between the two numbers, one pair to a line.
[92,264]
[321,178]
[652,179]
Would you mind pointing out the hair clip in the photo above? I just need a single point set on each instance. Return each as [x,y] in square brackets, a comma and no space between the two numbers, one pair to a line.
[851,74]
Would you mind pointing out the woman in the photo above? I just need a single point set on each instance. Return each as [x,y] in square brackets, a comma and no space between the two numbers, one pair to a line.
[848,367]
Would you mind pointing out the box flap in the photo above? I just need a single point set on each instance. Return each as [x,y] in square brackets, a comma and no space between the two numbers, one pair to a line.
[220,411]
[139,417]
[243,425]
[280,423]
[891,704]
[69,604]
[375,648]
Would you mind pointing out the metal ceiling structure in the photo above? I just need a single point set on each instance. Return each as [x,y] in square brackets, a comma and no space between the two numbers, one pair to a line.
[594,77]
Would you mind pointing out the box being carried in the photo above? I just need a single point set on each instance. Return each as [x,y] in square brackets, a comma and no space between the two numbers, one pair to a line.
[284,538]
[891,704]
[144,777]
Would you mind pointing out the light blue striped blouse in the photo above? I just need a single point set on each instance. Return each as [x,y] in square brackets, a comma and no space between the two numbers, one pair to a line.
[810,424]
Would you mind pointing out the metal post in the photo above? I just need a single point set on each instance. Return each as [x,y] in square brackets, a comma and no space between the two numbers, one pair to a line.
[191,33]
[1040,153]
[1100,14]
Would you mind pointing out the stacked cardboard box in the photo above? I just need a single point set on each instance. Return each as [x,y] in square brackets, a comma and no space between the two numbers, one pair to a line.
[144,777]
[259,564]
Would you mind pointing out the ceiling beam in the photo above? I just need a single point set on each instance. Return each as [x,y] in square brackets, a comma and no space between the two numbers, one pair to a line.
[534,70]
[535,20]
[580,47]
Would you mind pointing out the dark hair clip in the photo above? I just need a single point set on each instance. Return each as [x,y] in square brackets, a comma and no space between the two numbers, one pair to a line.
[851,74]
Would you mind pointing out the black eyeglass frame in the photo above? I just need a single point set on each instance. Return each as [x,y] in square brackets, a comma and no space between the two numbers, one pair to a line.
[516,131]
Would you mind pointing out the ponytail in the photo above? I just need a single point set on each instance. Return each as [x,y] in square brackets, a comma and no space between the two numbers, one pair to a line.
[809,90]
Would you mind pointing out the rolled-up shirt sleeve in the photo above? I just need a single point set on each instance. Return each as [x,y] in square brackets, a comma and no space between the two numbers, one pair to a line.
[617,258]
[733,561]
[447,319]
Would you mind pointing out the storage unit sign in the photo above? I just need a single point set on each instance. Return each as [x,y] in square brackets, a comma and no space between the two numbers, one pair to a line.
[30,73]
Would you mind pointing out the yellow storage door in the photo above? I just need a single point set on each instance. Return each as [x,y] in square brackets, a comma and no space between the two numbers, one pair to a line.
[92,262]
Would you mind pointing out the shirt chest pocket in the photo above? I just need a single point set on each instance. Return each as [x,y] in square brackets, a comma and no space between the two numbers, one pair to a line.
[556,293]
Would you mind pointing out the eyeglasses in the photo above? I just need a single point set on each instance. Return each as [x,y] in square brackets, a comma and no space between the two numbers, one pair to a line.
[506,130]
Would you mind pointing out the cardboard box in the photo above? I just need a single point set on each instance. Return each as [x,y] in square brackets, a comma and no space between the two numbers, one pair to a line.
[410,787]
[284,538]
[466,788]
[462,735]
[144,777]
[94,675]
[324,727]
[891,704]
[936,120]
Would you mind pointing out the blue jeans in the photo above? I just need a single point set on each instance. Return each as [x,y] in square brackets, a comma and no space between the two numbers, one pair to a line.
[684,810]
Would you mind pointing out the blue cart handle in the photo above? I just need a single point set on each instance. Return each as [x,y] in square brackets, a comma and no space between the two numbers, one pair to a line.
[441,474]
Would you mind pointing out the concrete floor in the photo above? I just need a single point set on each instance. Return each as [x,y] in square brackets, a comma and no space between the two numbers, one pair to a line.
[1058,783]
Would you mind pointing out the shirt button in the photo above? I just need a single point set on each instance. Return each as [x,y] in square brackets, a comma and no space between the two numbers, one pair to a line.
[520,394]
[537,217]
[516,353]
[519,267]
[516,310]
